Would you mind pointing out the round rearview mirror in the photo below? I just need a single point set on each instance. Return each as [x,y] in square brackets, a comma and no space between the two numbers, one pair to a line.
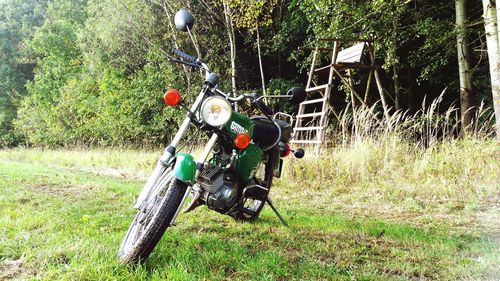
[183,20]
[298,95]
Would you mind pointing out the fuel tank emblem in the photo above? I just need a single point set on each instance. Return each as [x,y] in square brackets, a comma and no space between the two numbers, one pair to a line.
[238,129]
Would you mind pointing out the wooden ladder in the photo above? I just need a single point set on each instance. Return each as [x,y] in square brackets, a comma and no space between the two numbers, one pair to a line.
[312,133]
[311,123]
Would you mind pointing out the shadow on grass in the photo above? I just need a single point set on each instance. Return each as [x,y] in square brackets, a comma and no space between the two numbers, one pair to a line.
[75,235]
[313,247]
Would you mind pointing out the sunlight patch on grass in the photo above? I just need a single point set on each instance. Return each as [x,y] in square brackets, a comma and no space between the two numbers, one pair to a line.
[370,211]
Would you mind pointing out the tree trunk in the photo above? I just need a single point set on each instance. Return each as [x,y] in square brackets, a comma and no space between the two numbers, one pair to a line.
[498,20]
[397,86]
[467,98]
[492,40]
[395,69]
[186,70]
[381,93]
[260,64]
[232,43]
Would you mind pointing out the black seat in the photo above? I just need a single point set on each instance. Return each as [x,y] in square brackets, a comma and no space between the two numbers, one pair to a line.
[267,134]
[286,130]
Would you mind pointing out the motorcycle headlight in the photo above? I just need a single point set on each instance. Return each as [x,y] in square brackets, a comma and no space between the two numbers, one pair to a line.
[216,111]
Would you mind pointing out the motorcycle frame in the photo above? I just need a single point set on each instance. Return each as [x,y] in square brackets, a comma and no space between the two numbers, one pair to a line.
[170,152]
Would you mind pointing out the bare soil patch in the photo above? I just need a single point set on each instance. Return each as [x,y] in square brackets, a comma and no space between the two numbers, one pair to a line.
[62,190]
[11,269]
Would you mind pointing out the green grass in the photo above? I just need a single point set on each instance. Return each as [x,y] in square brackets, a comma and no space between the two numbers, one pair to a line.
[368,211]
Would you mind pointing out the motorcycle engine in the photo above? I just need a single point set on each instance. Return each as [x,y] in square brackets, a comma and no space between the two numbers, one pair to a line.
[220,194]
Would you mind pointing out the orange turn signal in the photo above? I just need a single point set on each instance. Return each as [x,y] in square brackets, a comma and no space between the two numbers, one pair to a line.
[242,141]
[172,97]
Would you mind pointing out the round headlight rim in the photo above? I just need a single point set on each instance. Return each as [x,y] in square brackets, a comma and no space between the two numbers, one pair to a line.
[226,102]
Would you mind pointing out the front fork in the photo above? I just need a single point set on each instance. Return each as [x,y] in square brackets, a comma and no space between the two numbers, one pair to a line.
[170,152]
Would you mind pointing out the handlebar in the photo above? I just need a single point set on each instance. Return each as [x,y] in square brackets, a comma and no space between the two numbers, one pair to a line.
[229,97]
[192,61]
[254,98]
[187,57]
[262,106]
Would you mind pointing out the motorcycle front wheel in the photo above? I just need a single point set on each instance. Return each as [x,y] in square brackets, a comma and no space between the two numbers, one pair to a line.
[152,219]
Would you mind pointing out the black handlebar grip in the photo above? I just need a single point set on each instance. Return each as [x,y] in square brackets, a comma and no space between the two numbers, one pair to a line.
[185,56]
[266,109]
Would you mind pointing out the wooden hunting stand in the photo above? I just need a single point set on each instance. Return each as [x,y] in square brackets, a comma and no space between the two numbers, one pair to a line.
[312,118]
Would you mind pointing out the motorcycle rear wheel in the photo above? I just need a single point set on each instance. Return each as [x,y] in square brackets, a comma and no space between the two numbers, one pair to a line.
[152,219]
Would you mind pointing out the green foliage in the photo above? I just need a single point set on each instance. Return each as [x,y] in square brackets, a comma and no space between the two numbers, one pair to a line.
[90,87]
[58,60]
[92,72]
[253,14]
[18,19]
[107,110]
[120,33]
[280,87]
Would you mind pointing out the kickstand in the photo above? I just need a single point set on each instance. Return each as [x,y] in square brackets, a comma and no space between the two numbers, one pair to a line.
[268,200]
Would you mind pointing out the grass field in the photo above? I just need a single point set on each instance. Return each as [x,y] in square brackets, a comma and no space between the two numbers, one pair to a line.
[368,211]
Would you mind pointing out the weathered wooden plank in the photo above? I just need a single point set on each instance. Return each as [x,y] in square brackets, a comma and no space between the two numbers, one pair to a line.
[345,40]
[317,88]
[309,114]
[352,54]
[314,101]
[308,128]
[314,48]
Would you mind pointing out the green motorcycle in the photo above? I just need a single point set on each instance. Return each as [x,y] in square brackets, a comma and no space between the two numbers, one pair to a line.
[234,173]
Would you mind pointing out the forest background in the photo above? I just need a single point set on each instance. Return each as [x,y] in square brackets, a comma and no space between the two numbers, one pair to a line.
[90,73]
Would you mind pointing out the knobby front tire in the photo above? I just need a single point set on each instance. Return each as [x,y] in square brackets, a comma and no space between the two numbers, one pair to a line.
[151,221]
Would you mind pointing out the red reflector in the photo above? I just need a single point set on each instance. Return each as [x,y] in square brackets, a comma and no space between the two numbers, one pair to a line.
[287,150]
[172,97]
[242,141]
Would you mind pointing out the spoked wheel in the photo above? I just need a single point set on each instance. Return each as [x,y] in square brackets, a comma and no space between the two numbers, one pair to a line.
[153,218]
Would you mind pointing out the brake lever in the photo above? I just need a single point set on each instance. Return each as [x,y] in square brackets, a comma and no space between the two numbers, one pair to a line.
[185,63]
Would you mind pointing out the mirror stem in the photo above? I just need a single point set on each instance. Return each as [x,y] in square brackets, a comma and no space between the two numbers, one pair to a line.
[194,42]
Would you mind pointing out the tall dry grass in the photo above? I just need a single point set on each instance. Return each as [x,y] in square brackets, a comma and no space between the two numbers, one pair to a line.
[415,164]
[427,126]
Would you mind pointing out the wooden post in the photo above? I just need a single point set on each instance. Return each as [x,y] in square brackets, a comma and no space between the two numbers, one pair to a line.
[379,84]
[381,92]
[331,73]
[351,84]
[368,84]
[311,71]
[370,75]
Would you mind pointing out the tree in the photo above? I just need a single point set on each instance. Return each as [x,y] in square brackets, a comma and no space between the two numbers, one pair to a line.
[254,15]
[228,17]
[58,59]
[120,33]
[18,20]
[493,42]
[101,66]
[467,96]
